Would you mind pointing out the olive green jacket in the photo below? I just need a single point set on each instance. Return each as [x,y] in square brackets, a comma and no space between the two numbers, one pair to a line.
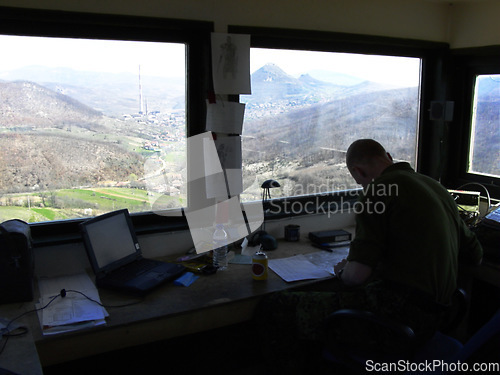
[409,231]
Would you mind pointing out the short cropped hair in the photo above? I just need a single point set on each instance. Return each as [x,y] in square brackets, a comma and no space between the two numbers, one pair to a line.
[364,151]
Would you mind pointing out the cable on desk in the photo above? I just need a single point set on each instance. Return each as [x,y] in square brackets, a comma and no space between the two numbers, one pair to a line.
[61,294]
[481,185]
[6,329]
[64,291]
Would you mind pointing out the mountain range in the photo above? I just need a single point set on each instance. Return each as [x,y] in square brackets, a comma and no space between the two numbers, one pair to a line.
[26,104]
[113,94]
[294,126]
[271,83]
[79,106]
[116,94]
[326,117]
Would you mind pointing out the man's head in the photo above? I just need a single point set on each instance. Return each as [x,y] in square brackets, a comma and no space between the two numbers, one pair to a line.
[366,159]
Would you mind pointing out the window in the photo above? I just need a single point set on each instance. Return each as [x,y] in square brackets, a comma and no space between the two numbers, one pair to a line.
[108,144]
[474,133]
[307,107]
[484,158]
[82,118]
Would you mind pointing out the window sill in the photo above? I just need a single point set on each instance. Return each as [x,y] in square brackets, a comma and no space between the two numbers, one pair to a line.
[68,231]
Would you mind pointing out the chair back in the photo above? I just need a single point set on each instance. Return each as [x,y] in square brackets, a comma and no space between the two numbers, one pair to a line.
[487,332]
[355,336]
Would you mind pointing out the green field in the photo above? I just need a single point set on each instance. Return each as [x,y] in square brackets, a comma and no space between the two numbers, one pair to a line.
[76,203]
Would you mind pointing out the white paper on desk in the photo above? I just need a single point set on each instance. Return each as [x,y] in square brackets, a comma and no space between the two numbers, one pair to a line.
[47,331]
[327,260]
[51,286]
[297,268]
[75,307]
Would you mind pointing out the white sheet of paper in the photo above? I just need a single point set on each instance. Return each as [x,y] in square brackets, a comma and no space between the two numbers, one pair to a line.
[225,117]
[255,214]
[201,225]
[214,176]
[50,286]
[297,268]
[229,152]
[234,181]
[231,63]
[73,308]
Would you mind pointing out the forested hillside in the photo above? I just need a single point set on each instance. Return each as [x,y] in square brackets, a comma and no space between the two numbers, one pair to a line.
[298,129]
[51,141]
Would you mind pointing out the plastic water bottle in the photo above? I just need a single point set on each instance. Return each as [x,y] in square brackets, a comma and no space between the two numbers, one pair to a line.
[220,247]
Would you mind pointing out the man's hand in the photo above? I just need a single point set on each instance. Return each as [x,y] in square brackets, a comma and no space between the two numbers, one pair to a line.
[354,273]
[339,266]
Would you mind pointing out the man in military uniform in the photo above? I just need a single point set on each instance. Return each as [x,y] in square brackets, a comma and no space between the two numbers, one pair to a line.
[402,263]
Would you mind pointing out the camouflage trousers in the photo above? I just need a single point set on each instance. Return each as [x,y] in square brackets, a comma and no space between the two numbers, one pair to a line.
[290,321]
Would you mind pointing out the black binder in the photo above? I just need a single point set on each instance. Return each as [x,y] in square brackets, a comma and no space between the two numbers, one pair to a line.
[329,236]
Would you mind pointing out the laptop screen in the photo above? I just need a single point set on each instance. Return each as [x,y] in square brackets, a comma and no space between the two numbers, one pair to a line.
[110,238]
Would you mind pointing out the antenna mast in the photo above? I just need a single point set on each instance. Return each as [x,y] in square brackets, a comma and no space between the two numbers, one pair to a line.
[141,100]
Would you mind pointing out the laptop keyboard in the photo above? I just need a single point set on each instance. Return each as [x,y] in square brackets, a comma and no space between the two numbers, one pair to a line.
[131,270]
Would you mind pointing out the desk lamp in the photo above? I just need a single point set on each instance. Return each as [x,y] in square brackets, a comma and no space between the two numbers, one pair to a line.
[261,237]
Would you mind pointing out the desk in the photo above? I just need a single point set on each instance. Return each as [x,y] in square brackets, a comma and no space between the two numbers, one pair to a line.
[20,354]
[214,301]
[488,272]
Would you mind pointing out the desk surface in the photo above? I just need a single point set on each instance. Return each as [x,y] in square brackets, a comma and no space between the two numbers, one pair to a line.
[19,355]
[488,272]
[225,298]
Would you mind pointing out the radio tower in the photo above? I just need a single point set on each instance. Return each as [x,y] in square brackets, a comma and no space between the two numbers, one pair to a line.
[141,101]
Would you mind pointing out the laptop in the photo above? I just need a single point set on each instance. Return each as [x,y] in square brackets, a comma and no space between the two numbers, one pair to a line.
[116,257]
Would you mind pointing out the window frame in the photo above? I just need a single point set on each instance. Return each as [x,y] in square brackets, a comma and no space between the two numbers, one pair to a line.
[430,53]
[467,64]
[196,36]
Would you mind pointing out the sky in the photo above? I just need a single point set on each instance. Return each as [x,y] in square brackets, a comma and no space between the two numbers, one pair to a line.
[402,71]
[156,59]
[167,59]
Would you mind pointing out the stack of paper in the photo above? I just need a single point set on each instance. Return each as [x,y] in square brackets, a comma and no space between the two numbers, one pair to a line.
[74,311]
[297,268]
